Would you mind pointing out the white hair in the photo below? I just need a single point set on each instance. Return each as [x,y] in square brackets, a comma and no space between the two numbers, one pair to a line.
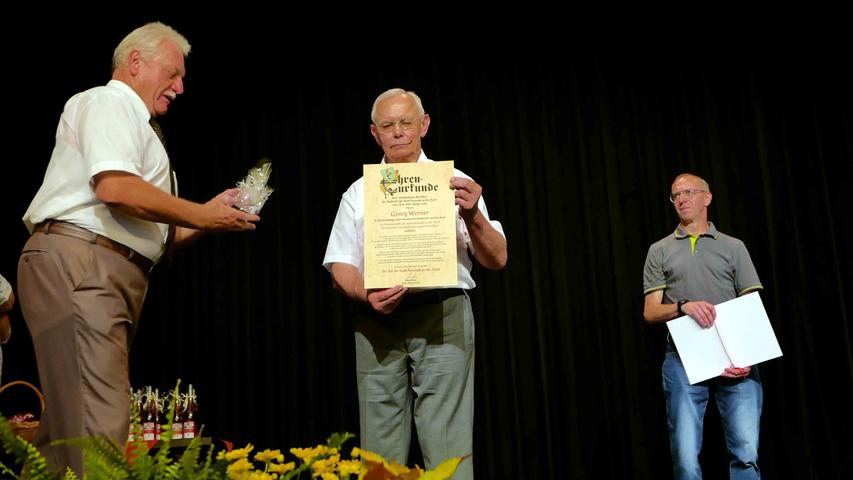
[147,40]
[393,93]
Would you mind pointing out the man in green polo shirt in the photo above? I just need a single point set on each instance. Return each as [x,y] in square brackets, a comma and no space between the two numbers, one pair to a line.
[687,273]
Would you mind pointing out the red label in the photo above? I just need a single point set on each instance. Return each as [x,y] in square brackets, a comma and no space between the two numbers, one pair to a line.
[189,429]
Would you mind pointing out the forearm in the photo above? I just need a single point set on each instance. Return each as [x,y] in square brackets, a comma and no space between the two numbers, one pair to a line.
[660,313]
[134,196]
[655,311]
[185,236]
[347,279]
[5,324]
[5,327]
[8,304]
[490,248]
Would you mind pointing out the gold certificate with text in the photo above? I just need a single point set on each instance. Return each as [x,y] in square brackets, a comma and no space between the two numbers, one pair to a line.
[409,225]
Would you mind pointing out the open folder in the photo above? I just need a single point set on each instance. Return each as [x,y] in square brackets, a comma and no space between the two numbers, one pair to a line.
[741,336]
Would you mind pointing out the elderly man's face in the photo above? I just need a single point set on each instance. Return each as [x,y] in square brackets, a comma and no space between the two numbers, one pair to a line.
[399,128]
[162,78]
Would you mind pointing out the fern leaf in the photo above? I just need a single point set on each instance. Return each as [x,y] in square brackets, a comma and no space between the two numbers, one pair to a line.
[102,457]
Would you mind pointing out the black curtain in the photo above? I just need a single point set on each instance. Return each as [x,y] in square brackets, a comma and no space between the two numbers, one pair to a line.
[576,151]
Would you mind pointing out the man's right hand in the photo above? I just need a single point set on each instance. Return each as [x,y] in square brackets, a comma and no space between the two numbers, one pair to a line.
[385,301]
[701,312]
[225,218]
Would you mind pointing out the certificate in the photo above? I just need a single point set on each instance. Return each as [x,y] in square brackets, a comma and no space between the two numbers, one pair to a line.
[409,225]
[741,337]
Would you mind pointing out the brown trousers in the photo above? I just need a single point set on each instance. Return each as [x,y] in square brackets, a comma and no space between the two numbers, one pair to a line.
[81,303]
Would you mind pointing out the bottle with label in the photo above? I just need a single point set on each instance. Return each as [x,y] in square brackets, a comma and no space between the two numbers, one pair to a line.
[149,416]
[190,413]
[177,419]
[159,417]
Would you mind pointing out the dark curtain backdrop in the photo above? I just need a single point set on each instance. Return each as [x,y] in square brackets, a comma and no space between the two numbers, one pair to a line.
[576,150]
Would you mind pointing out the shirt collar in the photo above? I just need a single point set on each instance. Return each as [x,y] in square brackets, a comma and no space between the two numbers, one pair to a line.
[137,103]
[711,232]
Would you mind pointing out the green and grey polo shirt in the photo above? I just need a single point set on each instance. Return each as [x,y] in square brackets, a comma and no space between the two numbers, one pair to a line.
[713,267]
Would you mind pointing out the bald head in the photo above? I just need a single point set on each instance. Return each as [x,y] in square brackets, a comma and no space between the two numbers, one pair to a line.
[693,179]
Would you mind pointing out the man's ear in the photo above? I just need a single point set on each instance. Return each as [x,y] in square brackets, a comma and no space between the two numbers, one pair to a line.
[424,125]
[134,62]
[375,134]
[708,198]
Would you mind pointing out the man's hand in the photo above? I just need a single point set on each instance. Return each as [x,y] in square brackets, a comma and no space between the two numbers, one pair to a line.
[735,372]
[225,218]
[701,312]
[228,197]
[467,196]
[5,324]
[387,300]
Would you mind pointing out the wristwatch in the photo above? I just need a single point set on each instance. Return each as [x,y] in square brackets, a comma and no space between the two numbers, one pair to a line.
[681,304]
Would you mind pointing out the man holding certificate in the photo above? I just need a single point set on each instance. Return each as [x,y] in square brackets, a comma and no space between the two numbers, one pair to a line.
[687,273]
[414,345]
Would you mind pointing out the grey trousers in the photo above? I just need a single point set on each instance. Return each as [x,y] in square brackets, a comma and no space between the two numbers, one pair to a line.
[81,303]
[418,361]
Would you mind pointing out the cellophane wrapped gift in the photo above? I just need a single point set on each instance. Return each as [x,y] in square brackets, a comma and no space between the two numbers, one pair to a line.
[253,189]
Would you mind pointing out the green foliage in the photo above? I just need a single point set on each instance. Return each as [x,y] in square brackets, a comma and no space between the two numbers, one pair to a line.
[105,460]
[24,454]
[102,457]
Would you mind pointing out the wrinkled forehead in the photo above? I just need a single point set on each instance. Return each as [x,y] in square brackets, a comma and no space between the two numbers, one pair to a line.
[401,106]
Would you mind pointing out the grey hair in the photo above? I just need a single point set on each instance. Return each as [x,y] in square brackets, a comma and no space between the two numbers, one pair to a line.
[393,93]
[147,40]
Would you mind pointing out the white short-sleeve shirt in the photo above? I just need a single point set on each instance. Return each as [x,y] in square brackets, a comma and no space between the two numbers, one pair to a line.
[104,128]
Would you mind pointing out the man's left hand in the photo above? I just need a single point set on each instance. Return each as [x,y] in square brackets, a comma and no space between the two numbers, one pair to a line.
[735,372]
[467,195]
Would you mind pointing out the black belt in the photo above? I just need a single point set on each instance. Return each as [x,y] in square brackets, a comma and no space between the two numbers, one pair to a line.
[429,297]
[58,227]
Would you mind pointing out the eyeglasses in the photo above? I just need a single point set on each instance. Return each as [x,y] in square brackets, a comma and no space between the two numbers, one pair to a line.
[388,127]
[688,194]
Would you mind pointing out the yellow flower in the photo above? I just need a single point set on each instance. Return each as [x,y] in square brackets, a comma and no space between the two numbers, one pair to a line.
[282,468]
[368,455]
[329,476]
[255,475]
[269,455]
[306,454]
[349,467]
[238,468]
[326,465]
[374,460]
[235,454]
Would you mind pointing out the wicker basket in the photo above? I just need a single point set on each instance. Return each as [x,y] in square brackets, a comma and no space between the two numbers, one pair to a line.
[26,430]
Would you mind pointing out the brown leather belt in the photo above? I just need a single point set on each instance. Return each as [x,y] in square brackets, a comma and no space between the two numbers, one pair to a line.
[58,227]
